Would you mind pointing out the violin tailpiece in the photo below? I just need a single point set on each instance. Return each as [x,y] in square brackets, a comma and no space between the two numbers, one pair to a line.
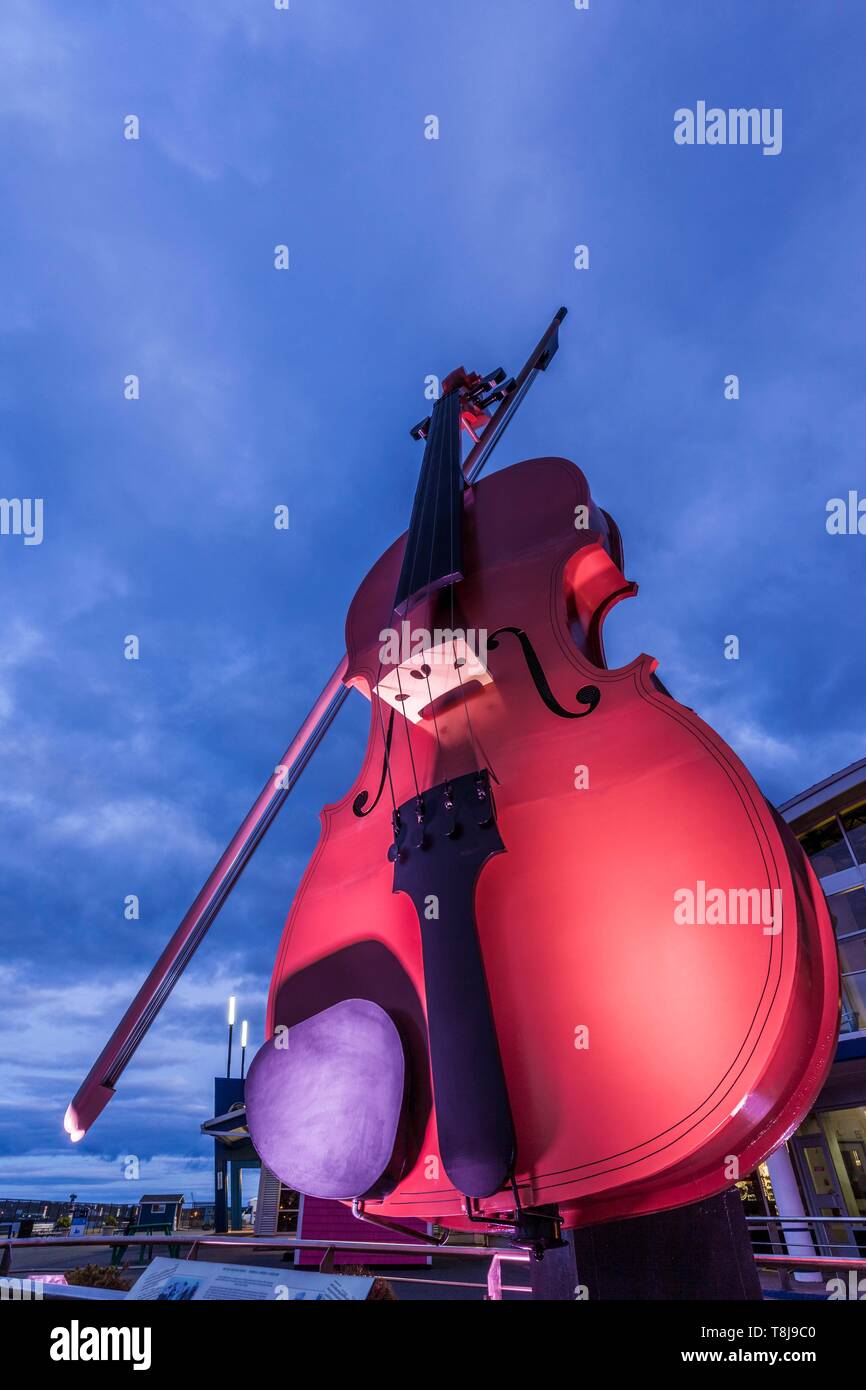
[438,871]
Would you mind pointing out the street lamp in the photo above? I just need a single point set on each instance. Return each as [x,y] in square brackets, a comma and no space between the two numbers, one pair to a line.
[244,1035]
[231,1031]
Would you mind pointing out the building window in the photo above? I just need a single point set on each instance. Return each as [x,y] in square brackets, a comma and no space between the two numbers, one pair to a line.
[854,822]
[826,848]
[849,912]
[853,1153]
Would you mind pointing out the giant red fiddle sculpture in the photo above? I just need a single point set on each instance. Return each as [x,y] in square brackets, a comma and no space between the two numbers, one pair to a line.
[555,958]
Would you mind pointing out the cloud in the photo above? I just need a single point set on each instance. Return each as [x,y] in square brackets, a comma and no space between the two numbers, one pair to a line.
[20,647]
[49,1037]
[102,1177]
[756,745]
[154,826]
[39,55]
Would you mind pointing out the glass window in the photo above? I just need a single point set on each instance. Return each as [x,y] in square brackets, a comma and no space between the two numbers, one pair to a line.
[854,1157]
[854,822]
[845,1131]
[853,1003]
[819,1169]
[826,848]
[849,911]
[852,955]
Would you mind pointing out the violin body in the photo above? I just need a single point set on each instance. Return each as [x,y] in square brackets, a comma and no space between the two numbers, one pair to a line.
[652,1049]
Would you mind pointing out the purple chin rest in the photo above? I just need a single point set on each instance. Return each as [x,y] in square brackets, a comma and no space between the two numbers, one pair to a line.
[324,1100]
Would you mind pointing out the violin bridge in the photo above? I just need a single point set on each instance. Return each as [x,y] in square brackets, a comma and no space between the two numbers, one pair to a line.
[426,677]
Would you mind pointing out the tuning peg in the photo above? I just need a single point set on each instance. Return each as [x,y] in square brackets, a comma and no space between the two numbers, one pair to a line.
[420,839]
[394,850]
[484,401]
[493,378]
[485,807]
[452,829]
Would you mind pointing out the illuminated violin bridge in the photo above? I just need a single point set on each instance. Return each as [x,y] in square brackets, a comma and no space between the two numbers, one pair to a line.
[434,677]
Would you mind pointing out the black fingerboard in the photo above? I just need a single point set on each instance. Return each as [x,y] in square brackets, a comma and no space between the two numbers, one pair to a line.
[434,545]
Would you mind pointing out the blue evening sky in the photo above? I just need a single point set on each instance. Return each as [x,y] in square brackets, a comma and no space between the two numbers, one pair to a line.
[258,387]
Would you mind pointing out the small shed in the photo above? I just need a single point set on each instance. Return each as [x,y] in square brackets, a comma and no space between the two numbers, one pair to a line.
[160,1209]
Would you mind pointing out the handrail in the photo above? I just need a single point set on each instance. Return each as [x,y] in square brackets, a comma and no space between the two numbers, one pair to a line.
[496,1256]
[813,1261]
[809,1220]
[267,1243]
[809,1233]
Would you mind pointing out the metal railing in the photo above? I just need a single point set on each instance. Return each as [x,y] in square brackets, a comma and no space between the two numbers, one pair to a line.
[792,1244]
[808,1235]
[492,1288]
[810,1249]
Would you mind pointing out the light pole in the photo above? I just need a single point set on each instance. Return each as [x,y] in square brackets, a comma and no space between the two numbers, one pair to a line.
[244,1035]
[231,1031]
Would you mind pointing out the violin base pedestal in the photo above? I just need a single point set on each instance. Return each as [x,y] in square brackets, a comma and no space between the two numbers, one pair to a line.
[693,1253]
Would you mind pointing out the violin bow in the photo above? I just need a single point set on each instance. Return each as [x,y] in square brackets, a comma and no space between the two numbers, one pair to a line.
[512,396]
[99,1086]
[101,1081]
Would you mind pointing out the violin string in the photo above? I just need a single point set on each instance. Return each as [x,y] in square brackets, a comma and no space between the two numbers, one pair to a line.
[431,481]
[449,426]
[417,511]
[456,462]
[408,734]
[442,422]
[451,463]
[385,748]
[430,487]
[439,751]
[465,701]
[422,501]
[446,411]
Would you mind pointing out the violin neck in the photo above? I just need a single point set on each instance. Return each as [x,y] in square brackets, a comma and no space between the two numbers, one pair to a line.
[433,557]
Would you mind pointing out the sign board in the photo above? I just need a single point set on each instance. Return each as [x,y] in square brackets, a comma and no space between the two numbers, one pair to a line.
[181,1281]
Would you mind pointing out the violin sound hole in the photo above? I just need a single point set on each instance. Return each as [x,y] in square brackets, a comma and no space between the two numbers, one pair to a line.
[588,695]
[359,805]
